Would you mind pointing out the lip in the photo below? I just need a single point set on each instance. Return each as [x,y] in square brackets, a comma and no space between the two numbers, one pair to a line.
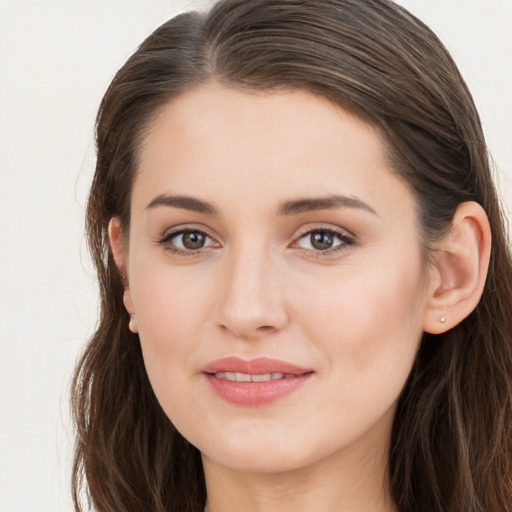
[256,366]
[253,394]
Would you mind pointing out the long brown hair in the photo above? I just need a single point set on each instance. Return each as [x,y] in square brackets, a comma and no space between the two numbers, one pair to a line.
[451,445]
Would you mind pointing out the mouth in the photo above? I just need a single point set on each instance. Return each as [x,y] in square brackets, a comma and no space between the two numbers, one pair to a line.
[256,382]
[248,377]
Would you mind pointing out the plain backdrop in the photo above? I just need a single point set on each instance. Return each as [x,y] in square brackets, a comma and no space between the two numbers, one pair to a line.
[56,60]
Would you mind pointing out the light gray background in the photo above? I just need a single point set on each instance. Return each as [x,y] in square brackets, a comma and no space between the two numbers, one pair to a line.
[56,60]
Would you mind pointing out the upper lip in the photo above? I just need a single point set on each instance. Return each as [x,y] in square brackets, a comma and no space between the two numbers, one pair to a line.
[257,366]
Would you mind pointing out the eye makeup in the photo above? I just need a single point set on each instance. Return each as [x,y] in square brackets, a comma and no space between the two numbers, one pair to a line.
[316,241]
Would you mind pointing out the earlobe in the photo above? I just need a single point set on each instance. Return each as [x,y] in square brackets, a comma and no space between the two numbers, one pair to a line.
[459,271]
[128,304]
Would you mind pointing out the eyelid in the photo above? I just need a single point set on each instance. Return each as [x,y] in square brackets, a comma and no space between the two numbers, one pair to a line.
[183,228]
[169,234]
[308,228]
[348,239]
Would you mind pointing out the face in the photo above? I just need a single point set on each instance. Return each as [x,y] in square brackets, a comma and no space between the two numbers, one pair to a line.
[275,274]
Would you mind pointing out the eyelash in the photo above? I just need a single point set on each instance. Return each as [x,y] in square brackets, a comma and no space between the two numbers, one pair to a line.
[166,241]
[345,241]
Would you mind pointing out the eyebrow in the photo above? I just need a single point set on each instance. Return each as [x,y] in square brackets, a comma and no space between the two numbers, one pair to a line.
[324,203]
[294,207]
[183,202]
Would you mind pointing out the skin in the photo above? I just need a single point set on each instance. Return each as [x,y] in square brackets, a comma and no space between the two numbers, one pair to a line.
[353,314]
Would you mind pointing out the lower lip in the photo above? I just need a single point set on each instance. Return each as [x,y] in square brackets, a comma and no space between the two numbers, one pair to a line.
[253,394]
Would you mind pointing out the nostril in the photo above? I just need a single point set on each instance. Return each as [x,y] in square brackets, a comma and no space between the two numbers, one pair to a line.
[242,333]
[265,328]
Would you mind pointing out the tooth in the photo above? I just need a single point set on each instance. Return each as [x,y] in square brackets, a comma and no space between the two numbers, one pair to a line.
[246,377]
[261,378]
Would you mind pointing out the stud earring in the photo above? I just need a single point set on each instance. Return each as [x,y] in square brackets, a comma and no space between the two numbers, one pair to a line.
[443,319]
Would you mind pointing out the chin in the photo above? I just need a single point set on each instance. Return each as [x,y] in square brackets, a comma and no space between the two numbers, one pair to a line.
[258,460]
[259,452]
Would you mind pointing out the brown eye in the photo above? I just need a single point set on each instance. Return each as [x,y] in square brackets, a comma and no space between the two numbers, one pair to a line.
[186,240]
[193,240]
[323,240]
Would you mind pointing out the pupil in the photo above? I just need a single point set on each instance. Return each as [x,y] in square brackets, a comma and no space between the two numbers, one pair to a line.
[193,240]
[321,240]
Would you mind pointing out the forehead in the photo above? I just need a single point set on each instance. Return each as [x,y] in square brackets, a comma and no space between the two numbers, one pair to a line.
[214,141]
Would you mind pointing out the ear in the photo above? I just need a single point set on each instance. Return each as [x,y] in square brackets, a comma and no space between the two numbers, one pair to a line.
[458,273]
[115,238]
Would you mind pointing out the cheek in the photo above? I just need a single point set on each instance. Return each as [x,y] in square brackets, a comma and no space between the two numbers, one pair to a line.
[368,320]
[169,299]
[173,308]
[170,318]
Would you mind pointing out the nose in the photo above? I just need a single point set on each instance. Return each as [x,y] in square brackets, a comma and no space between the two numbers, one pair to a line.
[252,301]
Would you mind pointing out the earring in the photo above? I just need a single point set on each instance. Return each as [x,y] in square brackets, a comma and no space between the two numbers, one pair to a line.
[443,319]
[132,325]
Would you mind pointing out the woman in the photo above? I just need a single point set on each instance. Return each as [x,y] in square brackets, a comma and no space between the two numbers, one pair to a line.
[291,219]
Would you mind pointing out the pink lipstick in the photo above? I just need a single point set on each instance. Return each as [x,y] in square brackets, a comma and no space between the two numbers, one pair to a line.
[255,382]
